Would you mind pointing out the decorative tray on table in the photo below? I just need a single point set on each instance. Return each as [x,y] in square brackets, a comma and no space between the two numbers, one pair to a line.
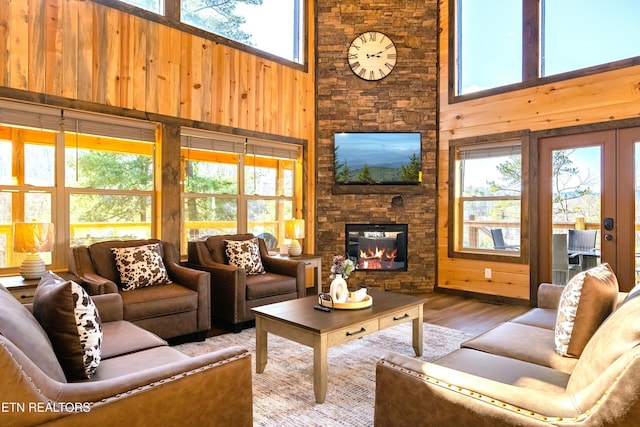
[367,302]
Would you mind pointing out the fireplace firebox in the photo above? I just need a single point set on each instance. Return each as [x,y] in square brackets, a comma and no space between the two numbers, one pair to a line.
[377,247]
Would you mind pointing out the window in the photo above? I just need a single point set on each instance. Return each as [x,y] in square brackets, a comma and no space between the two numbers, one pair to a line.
[234,184]
[487,197]
[490,48]
[579,34]
[110,181]
[273,26]
[509,44]
[92,176]
[150,5]
[27,168]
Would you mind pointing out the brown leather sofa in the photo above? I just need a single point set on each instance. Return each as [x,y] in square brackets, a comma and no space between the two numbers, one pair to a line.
[140,381]
[170,310]
[512,375]
[233,293]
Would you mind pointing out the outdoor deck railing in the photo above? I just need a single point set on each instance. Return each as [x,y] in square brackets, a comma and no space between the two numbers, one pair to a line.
[480,231]
[88,233]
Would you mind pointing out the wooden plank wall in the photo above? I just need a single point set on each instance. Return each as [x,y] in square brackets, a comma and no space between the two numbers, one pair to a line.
[591,99]
[85,51]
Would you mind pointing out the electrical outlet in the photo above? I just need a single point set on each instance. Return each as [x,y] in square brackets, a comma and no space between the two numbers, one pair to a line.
[487,273]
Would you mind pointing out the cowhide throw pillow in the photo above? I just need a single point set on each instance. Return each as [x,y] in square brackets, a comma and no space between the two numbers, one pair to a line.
[72,322]
[140,266]
[245,254]
[586,301]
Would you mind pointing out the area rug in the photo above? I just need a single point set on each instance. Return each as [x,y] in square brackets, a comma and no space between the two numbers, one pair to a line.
[283,393]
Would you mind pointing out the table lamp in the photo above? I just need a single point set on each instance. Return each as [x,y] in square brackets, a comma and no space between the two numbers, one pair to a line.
[294,230]
[31,238]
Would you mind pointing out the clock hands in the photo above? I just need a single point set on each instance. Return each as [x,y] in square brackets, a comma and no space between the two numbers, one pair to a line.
[374,55]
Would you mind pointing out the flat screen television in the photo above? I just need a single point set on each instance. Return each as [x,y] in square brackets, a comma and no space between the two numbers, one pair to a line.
[377,158]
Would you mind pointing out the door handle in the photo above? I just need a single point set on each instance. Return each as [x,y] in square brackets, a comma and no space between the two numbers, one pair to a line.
[608,224]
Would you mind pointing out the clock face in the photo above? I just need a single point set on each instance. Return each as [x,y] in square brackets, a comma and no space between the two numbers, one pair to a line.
[372,55]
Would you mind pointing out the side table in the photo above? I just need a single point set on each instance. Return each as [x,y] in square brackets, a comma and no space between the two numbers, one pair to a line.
[21,288]
[311,262]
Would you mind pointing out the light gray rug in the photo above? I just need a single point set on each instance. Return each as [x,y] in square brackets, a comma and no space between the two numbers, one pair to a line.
[283,394]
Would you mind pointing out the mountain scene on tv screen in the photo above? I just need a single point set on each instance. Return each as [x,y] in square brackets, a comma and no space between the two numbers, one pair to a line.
[377,158]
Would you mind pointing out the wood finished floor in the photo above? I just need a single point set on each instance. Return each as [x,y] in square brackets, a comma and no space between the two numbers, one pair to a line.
[468,314]
[456,312]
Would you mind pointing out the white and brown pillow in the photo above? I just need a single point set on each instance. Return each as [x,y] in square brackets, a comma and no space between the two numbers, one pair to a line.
[586,301]
[140,266]
[72,322]
[245,254]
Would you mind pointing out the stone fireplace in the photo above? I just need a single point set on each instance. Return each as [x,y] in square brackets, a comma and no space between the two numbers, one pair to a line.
[404,101]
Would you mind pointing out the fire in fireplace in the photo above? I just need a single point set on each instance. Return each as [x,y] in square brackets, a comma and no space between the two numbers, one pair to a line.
[377,247]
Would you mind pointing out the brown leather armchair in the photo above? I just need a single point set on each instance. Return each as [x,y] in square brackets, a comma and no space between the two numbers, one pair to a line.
[233,293]
[170,310]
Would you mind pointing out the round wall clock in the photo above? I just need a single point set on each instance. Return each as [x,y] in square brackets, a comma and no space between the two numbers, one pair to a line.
[372,55]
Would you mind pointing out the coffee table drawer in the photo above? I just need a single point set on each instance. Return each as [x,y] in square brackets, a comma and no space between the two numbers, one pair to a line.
[357,330]
[399,317]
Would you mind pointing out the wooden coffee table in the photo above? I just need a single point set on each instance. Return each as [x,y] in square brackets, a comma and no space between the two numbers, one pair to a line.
[296,320]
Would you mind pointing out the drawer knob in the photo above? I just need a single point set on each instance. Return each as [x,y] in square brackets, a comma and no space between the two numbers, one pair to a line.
[350,334]
[401,317]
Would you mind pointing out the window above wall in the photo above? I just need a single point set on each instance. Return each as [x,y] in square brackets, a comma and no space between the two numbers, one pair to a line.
[578,34]
[274,27]
[504,45]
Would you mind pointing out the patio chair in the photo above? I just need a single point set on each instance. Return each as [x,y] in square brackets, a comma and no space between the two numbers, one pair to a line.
[498,241]
[582,248]
[562,271]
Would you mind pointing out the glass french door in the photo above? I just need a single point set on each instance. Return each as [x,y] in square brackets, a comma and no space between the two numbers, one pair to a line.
[629,207]
[588,201]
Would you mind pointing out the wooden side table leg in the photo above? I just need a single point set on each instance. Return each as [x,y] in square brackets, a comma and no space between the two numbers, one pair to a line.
[417,332]
[320,370]
[261,346]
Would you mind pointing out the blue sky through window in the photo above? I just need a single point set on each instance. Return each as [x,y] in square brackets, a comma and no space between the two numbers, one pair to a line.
[575,34]
[490,43]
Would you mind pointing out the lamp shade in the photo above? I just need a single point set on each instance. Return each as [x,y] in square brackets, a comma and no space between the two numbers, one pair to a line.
[32,237]
[294,229]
